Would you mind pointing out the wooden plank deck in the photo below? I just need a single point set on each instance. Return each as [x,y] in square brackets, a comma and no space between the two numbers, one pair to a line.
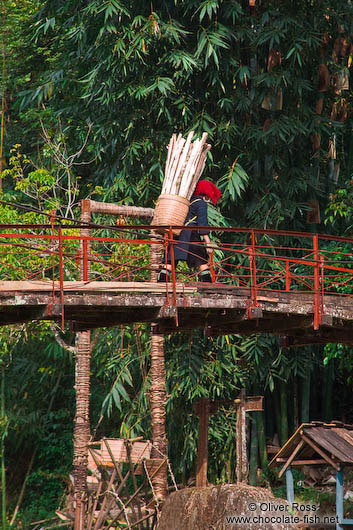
[216,308]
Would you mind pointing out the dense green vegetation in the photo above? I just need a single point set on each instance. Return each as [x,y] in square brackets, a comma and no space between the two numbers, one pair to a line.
[106,83]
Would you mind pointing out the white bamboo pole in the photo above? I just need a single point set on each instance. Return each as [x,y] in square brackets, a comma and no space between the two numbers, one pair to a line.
[182,163]
[190,168]
[170,148]
[177,152]
[185,162]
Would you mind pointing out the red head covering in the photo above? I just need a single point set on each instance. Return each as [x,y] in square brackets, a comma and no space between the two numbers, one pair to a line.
[205,187]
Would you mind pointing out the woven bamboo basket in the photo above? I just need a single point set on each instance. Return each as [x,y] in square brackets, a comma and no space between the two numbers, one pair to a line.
[170,210]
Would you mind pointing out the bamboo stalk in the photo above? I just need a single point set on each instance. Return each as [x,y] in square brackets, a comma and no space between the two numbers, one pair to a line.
[182,162]
[177,152]
[3,103]
[190,169]
[173,152]
[169,148]
[199,165]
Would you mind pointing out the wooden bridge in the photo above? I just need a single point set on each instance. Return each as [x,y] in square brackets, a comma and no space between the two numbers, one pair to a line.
[217,309]
[296,285]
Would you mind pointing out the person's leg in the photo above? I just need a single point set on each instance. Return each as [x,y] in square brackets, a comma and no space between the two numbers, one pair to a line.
[181,243]
[205,273]
[198,258]
[164,272]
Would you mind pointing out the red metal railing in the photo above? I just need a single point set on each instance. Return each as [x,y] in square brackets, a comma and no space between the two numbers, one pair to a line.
[252,259]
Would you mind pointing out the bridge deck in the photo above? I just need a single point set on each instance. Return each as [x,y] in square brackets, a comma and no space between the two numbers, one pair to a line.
[217,308]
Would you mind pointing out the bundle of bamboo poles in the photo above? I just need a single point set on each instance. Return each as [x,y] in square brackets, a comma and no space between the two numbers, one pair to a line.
[186,160]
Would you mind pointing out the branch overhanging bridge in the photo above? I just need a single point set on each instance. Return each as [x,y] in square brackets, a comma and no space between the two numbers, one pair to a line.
[297,285]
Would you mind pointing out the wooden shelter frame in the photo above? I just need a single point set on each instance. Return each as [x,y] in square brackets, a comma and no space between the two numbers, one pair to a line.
[337,456]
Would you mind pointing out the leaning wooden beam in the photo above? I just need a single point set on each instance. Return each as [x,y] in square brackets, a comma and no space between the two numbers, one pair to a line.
[133,476]
[318,461]
[106,504]
[291,458]
[321,452]
[94,507]
[116,209]
[116,518]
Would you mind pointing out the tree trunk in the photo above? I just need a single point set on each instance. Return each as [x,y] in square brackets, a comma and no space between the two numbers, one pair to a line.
[261,438]
[327,391]
[295,404]
[3,90]
[202,442]
[254,445]
[3,436]
[277,409]
[306,395]
[82,424]
[284,411]
[158,412]
[242,457]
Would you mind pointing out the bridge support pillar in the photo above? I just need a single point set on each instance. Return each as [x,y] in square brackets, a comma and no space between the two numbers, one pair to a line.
[158,391]
[158,412]
[82,388]
[82,425]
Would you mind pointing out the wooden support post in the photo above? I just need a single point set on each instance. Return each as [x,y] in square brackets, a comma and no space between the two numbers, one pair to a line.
[203,410]
[339,499]
[316,282]
[82,387]
[158,412]
[82,425]
[155,255]
[158,394]
[289,485]
[241,456]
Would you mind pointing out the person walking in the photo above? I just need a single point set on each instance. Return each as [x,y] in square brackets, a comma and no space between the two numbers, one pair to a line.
[189,247]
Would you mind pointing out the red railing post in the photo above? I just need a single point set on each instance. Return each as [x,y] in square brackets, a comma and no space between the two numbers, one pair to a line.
[316,282]
[61,278]
[52,219]
[172,261]
[213,274]
[84,234]
[322,266]
[287,276]
[85,260]
[252,263]
[78,260]
[166,265]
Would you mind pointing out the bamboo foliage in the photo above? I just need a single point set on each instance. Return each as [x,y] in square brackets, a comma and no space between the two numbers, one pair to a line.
[185,163]
[3,95]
